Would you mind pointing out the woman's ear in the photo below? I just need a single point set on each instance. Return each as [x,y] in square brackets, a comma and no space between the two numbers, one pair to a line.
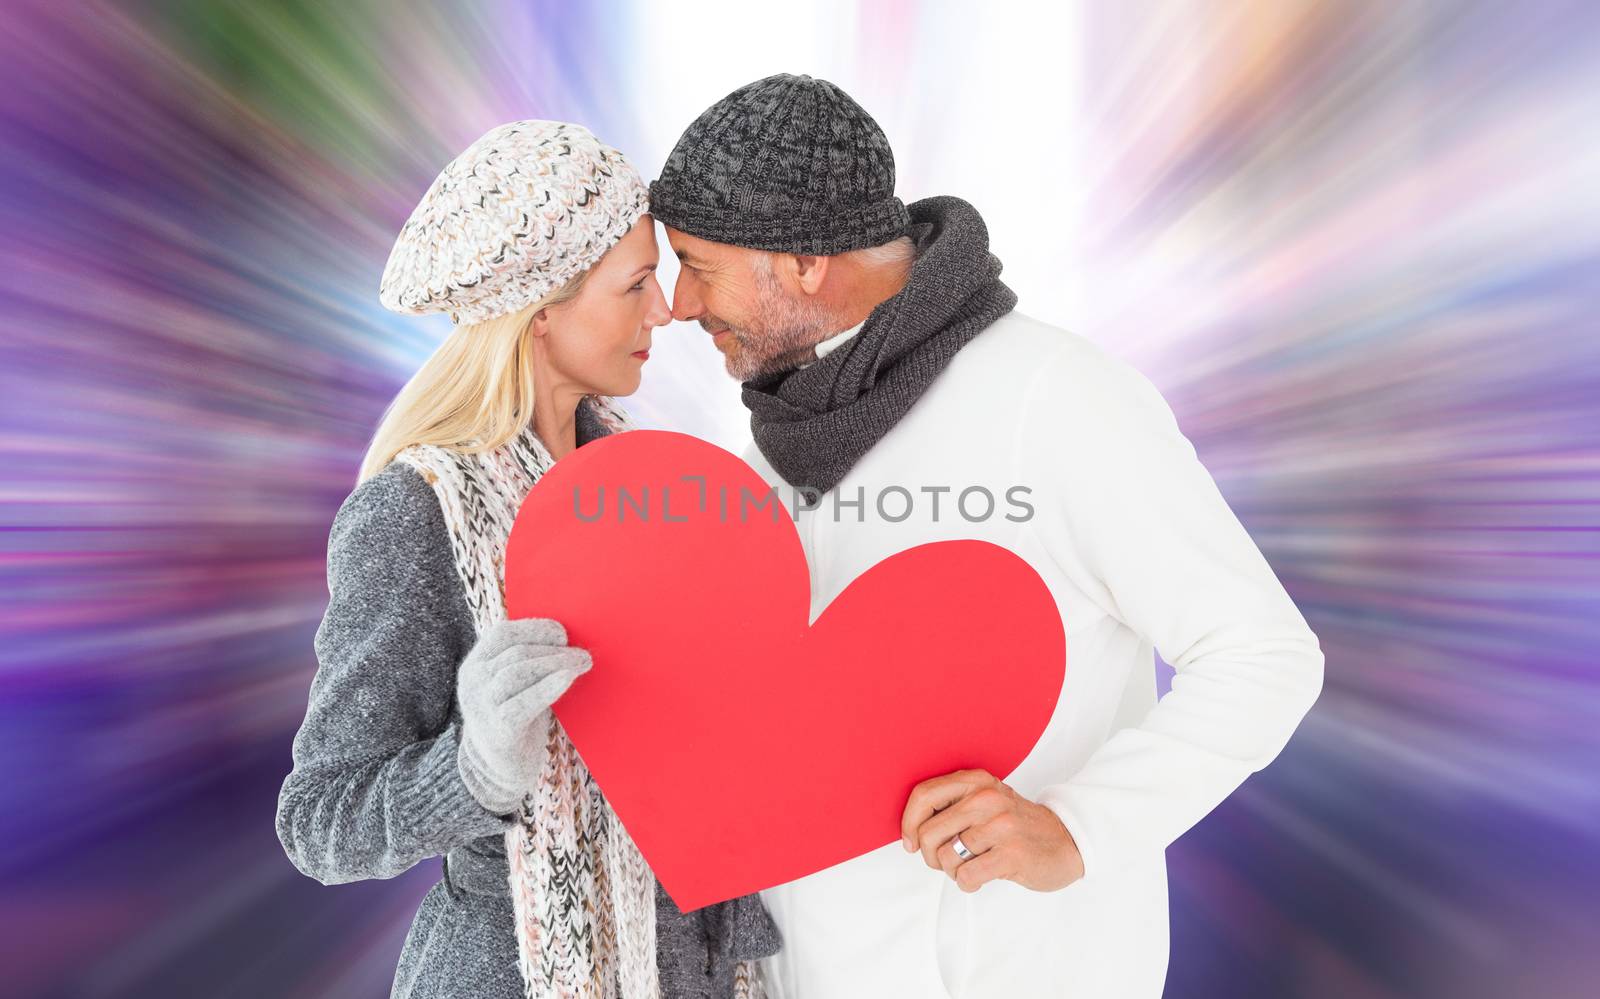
[539,325]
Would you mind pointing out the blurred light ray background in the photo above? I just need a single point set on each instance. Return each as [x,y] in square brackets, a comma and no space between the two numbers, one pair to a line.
[1354,243]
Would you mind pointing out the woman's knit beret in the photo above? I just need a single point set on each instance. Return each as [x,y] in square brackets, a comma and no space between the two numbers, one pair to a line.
[519,214]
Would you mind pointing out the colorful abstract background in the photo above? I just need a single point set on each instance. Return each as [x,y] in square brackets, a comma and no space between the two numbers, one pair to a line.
[1356,244]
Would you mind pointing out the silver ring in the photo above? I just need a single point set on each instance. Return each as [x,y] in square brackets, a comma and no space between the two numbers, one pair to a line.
[961,849]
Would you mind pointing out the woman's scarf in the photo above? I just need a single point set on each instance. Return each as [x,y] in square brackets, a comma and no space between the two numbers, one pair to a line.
[583,896]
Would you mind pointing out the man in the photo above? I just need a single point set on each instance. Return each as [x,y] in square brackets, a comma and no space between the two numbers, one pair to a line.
[896,398]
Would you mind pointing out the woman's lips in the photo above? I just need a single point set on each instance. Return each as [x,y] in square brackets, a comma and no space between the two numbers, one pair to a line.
[643,355]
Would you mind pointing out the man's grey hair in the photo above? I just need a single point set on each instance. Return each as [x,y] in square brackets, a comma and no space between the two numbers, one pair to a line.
[895,253]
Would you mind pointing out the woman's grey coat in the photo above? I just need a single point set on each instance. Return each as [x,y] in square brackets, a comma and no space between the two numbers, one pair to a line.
[375,786]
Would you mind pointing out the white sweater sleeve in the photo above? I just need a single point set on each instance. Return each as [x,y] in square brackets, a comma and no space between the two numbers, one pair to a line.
[1128,510]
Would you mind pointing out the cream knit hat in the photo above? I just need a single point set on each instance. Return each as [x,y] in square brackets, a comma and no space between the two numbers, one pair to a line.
[519,214]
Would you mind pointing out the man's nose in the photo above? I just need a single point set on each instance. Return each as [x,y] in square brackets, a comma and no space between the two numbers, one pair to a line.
[686,304]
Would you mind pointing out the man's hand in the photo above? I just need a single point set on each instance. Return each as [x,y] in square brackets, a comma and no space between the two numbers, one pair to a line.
[1011,837]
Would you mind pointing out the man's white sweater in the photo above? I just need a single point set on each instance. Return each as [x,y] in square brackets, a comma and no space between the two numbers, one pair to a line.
[1141,554]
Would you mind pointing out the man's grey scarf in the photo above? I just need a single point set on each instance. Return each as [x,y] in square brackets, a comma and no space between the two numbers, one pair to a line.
[814,423]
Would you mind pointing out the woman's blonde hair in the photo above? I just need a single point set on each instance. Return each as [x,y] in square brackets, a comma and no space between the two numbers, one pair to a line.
[473,394]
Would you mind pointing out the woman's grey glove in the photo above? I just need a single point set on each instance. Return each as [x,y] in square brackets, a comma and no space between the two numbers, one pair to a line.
[513,674]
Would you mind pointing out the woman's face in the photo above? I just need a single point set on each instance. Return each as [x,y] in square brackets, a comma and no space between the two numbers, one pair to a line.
[598,342]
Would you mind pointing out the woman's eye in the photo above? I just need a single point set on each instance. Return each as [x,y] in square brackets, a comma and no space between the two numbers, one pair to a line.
[639,286]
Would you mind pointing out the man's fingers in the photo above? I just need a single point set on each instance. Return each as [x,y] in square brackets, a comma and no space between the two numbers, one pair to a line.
[947,858]
[937,793]
[976,808]
[991,865]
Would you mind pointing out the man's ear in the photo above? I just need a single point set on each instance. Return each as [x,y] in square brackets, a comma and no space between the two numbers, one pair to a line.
[809,272]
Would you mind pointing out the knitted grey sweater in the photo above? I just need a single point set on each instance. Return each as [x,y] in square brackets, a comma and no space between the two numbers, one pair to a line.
[375,786]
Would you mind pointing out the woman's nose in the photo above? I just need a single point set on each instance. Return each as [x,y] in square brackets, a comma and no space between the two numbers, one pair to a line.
[660,314]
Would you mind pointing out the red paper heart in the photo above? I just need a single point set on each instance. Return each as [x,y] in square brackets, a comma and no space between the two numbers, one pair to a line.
[742,747]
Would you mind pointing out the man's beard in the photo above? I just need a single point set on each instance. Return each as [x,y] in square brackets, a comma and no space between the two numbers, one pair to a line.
[790,329]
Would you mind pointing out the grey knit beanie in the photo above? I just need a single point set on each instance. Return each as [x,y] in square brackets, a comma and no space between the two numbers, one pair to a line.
[790,164]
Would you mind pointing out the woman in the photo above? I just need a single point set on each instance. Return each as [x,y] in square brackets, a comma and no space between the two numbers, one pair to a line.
[428,730]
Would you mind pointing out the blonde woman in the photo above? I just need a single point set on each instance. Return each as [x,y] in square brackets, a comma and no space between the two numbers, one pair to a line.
[428,730]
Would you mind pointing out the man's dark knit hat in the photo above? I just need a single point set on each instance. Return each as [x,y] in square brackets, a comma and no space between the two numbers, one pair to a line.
[790,164]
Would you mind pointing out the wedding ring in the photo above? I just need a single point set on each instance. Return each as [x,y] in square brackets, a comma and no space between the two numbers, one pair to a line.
[961,849]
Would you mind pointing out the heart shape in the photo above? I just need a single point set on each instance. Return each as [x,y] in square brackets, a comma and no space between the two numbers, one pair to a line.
[741,745]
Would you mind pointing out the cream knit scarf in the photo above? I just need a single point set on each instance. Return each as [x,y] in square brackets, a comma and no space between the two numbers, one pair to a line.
[583,895]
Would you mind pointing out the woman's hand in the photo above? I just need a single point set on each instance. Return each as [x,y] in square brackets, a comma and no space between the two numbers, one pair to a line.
[513,674]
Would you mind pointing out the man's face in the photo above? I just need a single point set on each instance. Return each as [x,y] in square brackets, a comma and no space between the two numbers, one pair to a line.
[761,322]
